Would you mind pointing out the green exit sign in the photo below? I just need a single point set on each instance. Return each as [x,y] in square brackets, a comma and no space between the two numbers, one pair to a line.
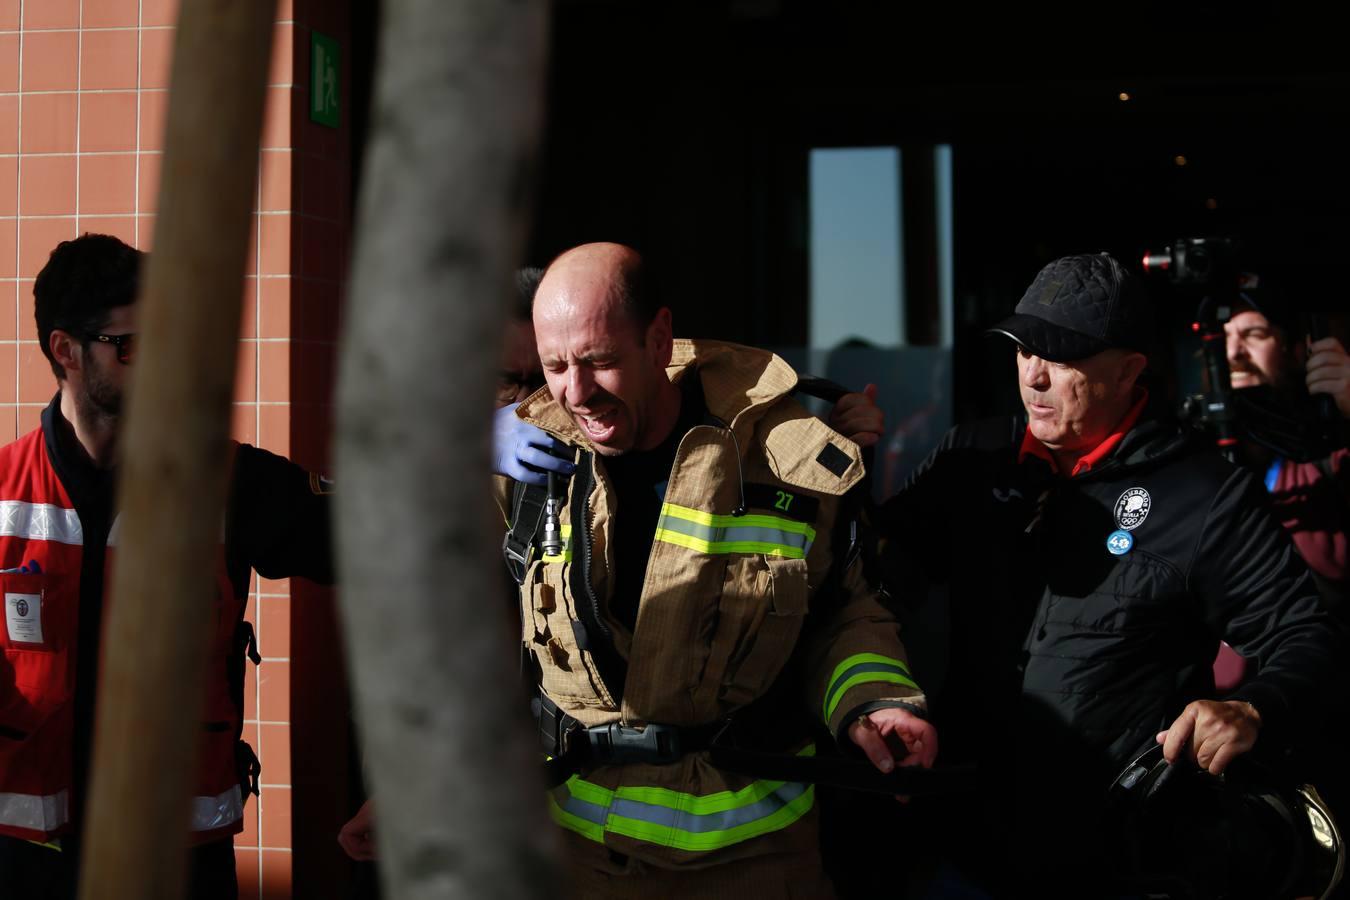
[324,56]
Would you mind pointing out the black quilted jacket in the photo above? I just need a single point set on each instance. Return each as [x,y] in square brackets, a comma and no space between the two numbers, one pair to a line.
[1062,658]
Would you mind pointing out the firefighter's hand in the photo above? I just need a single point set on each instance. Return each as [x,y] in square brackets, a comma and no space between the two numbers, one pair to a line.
[1212,733]
[357,837]
[891,735]
[522,452]
[857,417]
[1328,371]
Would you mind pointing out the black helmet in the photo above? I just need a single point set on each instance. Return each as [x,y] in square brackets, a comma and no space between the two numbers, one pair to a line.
[1244,834]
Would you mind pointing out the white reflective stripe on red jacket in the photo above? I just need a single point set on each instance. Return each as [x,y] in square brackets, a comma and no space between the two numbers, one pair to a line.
[210,813]
[34,811]
[38,813]
[40,522]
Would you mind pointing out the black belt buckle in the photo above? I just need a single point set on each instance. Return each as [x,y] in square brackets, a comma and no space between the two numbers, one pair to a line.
[554,725]
[517,556]
[617,745]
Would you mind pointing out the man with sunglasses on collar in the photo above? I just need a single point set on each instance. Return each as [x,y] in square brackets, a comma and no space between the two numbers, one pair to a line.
[1095,554]
[57,544]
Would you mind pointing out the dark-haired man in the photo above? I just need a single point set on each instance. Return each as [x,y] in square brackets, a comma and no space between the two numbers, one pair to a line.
[57,541]
[521,451]
[1095,556]
[1311,498]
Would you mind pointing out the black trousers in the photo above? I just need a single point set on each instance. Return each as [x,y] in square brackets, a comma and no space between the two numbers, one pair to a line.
[33,872]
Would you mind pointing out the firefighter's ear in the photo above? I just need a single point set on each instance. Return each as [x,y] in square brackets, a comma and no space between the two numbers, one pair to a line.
[661,338]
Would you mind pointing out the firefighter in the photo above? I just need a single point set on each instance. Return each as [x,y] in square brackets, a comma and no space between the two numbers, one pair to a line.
[525,454]
[694,585]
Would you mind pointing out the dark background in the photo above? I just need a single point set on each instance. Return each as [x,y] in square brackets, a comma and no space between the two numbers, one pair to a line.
[685,130]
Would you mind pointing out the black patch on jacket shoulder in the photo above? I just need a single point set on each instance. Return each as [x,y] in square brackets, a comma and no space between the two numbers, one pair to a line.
[834,459]
[783,501]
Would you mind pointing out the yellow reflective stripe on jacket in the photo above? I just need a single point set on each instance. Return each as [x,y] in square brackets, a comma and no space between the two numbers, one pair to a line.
[862,668]
[566,555]
[707,533]
[680,821]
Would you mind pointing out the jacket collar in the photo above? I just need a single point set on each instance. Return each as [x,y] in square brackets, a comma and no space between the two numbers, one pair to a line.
[1150,441]
[739,384]
[1089,461]
[84,481]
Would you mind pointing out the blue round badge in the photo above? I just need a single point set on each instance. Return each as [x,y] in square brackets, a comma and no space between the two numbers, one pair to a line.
[1119,542]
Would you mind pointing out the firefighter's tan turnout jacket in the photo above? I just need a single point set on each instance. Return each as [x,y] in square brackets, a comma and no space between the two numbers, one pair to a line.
[721,612]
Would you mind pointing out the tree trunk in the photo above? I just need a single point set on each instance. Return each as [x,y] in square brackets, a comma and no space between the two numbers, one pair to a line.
[443,209]
[174,458]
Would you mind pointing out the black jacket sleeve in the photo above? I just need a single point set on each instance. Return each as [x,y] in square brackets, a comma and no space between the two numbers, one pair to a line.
[1259,595]
[279,518]
[951,485]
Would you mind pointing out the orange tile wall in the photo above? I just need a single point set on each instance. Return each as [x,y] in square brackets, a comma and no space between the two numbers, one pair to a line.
[83,91]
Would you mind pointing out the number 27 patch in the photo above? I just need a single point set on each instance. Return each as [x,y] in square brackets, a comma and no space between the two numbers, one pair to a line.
[783,501]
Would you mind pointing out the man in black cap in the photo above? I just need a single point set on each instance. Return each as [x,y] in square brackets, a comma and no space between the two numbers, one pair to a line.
[1094,556]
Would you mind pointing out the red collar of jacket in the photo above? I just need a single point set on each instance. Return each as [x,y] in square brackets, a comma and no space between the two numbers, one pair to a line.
[1033,447]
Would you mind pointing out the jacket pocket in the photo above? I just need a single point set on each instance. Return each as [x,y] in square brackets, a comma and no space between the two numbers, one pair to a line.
[36,670]
[761,611]
[568,672]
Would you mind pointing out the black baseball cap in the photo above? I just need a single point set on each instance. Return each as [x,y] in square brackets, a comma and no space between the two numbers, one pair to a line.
[1079,306]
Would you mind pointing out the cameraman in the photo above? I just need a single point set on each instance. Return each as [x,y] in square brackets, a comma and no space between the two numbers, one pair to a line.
[1265,347]
[1312,499]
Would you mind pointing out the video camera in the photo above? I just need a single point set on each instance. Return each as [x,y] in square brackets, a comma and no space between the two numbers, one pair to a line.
[1204,262]
[1300,428]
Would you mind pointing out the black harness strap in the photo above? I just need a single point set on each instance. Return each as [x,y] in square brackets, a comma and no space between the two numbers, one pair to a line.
[527,514]
[590,748]
[573,749]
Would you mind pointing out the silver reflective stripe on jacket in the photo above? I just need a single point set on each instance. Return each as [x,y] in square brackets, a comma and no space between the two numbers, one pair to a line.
[35,812]
[40,522]
[210,813]
[681,821]
[705,532]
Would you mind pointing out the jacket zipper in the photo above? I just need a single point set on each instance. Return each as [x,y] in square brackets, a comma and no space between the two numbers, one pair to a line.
[601,643]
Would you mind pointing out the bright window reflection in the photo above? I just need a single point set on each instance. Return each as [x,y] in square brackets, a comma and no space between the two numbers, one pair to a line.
[857,267]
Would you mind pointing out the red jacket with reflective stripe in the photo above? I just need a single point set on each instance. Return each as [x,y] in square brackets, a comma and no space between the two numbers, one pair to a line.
[38,523]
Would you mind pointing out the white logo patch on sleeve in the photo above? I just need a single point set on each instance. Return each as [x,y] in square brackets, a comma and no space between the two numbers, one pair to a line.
[23,618]
[1132,508]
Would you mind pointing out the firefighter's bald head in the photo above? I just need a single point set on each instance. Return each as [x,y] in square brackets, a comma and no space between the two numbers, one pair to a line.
[604,348]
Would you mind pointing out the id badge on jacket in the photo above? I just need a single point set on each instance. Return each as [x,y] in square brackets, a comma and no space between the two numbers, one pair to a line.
[24,596]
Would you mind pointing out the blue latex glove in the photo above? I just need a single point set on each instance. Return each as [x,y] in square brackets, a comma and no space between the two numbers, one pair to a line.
[521,451]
